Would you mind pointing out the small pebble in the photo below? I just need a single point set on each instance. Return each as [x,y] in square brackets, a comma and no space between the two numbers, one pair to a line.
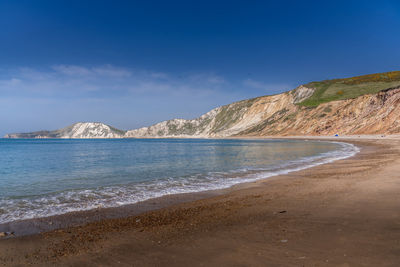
[4,234]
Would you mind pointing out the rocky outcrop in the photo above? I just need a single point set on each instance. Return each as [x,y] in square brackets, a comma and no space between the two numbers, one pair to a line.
[91,130]
[77,130]
[301,93]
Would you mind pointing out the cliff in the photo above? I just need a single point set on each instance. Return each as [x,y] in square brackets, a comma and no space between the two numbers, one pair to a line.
[77,130]
[366,104]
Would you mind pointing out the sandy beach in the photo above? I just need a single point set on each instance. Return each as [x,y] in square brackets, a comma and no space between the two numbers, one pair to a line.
[344,213]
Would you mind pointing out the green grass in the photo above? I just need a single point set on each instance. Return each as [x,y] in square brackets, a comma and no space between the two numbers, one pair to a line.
[339,89]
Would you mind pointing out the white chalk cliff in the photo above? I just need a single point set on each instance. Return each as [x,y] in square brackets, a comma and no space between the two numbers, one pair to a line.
[368,104]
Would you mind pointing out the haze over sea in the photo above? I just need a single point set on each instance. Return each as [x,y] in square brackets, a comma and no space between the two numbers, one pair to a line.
[40,178]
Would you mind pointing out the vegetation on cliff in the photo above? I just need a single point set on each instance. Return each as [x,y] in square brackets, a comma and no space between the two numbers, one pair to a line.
[366,104]
[339,89]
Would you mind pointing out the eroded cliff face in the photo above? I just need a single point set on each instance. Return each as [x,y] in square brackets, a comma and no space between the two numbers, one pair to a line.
[229,120]
[90,130]
[77,130]
[281,114]
[219,122]
[369,114]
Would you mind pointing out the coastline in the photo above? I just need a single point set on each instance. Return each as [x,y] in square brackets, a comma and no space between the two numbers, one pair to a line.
[276,208]
[31,226]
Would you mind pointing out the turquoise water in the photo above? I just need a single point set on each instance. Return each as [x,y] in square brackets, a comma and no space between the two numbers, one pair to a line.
[44,177]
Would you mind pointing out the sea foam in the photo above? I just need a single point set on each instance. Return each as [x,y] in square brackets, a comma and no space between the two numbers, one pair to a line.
[20,208]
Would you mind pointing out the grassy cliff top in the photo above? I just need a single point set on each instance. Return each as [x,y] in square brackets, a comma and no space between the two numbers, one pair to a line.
[338,89]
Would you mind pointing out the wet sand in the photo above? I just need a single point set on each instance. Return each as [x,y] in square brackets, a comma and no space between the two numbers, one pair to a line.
[345,213]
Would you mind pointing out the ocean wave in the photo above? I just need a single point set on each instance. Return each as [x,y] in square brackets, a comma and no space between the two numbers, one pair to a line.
[12,209]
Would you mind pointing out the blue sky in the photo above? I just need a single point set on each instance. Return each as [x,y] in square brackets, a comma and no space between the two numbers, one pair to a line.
[134,63]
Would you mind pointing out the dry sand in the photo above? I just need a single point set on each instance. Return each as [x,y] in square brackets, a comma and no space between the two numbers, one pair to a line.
[345,213]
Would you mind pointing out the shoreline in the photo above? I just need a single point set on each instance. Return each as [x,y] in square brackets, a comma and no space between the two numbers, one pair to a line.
[76,218]
[268,214]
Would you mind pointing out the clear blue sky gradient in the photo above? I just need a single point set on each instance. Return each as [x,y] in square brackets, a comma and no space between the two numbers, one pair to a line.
[134,63]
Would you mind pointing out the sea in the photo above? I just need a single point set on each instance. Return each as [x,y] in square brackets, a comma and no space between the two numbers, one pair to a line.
[45,177]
